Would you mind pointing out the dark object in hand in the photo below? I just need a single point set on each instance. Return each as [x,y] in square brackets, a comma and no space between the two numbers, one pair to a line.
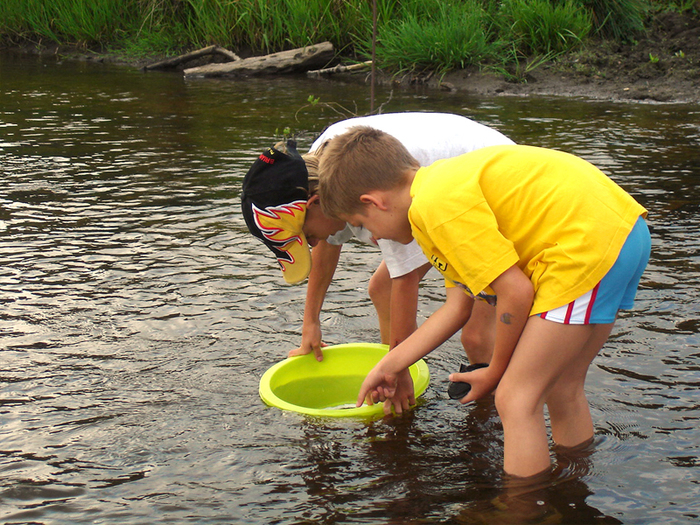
[457,390]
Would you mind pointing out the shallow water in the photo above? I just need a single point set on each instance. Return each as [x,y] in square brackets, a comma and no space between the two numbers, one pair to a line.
[137,316]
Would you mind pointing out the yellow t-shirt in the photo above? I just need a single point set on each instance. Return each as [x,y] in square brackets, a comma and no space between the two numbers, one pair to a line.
[556,216]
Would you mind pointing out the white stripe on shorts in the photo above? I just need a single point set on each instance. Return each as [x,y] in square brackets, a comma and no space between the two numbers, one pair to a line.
[576,312]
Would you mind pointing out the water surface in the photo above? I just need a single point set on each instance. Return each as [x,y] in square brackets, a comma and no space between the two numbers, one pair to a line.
[137,316]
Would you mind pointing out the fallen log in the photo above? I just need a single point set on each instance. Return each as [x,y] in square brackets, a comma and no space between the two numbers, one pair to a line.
[339,69]
[187,57]
[292,61]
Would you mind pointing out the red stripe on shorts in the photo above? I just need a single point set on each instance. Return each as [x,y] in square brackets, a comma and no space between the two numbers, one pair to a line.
[569,311]
[591,302]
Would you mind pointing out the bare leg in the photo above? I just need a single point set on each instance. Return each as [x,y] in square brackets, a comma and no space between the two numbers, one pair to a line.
[479,334]
[548,355]
[569,412]
[380,293]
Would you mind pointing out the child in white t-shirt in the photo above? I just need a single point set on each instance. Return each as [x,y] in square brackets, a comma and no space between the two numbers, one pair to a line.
[393,287]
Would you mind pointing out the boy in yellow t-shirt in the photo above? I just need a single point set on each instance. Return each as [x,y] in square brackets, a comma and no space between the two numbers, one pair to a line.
[555,244]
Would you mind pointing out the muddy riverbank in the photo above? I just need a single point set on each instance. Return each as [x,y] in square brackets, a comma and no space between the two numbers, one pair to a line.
[661,66]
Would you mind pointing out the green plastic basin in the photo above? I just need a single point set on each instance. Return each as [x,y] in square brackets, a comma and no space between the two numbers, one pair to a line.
[330,388]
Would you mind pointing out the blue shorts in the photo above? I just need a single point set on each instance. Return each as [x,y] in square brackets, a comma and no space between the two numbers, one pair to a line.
[616,290]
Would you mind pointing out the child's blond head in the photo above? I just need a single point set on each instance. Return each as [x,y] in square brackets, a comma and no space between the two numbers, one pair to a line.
[360,160]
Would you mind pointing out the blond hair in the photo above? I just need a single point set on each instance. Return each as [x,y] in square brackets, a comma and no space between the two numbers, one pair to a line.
[360,160]
[312,162]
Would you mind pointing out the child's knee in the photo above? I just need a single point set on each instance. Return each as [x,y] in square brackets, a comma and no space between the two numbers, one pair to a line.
[477,344]
[504,399]
[471,339]
[565,398]
[379,288]
[512,404]
[475,339]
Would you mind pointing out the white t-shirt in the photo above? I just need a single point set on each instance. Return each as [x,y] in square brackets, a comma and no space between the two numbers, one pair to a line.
[428,137]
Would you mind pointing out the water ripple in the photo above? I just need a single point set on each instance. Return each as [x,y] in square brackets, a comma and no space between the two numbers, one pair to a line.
[137,316]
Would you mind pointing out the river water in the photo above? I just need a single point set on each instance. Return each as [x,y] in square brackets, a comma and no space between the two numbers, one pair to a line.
[137,316]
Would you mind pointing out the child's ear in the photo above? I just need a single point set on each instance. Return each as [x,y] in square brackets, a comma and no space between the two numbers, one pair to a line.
[373,200]
[314,199]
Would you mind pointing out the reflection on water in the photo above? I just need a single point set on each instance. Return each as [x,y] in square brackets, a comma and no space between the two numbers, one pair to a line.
[137,316]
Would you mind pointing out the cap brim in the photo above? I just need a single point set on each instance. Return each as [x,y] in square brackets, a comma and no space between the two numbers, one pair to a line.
[298,266]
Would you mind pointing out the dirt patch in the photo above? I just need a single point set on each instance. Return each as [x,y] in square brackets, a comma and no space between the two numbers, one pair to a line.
[663,66]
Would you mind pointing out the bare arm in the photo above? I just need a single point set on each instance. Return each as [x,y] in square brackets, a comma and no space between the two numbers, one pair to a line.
[403,311]
[515,295]
[439,327]
[324,260]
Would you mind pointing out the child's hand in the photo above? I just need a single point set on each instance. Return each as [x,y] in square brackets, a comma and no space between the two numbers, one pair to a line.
[482,380]
[404,396]
[378,385]
[310,342]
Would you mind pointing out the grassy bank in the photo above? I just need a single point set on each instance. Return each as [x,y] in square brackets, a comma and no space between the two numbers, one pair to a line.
[411,34]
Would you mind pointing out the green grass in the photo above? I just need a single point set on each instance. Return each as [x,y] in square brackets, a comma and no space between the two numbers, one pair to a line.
[618,19]
[442,37]
[413,34]
[85,22]
[540,27]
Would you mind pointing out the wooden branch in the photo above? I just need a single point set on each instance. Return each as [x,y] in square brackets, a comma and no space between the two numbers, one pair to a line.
[339,69]
[292,61]
[176,61]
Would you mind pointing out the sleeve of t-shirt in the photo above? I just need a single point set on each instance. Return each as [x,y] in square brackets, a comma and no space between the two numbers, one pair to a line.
[350,231]
[400,258]
[469,243]
[341,237]
[475,247]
